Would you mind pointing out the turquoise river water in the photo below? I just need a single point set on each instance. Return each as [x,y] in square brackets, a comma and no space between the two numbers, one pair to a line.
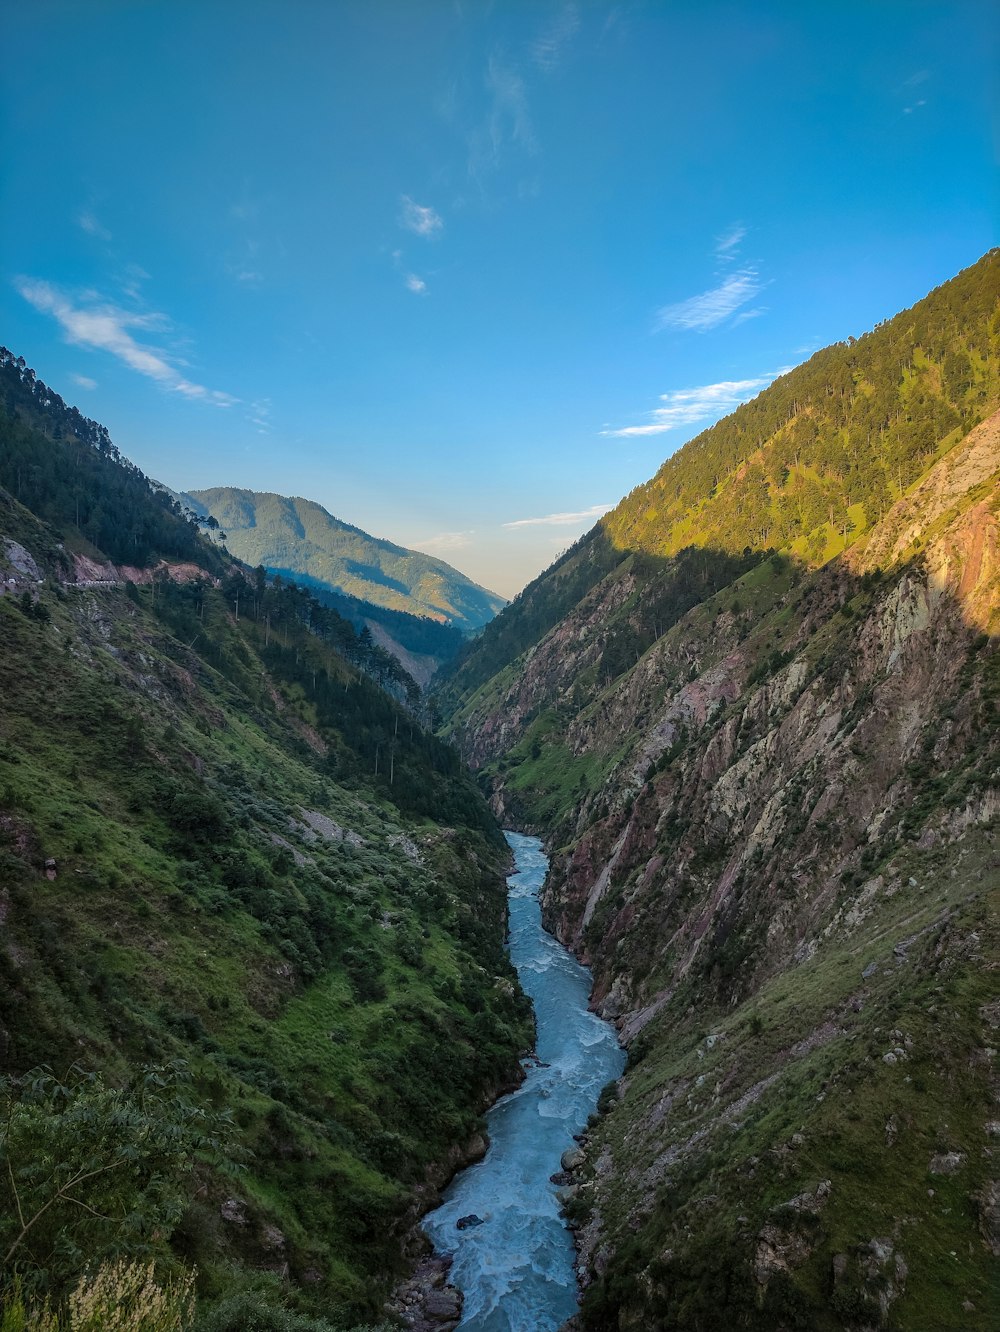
[515,1269]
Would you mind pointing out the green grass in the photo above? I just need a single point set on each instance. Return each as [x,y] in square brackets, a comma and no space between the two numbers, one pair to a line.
[156,778]
[840,1098]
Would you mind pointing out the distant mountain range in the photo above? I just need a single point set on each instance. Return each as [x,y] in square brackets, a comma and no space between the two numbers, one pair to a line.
[301,540]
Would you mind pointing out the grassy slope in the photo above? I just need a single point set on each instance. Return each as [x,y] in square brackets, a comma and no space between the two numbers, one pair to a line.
[732,1115]
[309,997]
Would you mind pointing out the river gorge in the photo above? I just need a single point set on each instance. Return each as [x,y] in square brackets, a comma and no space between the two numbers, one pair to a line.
[513,1258]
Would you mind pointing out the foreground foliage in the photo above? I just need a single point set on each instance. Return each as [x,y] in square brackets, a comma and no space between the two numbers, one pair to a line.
[88,1170]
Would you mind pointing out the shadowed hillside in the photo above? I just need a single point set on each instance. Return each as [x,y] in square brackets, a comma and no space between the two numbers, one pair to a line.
[761,740]
[253,913]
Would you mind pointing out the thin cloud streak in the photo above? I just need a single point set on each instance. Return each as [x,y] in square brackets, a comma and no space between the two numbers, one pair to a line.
[445,541]
[711,308]
[421,220]
[730,241]
[89,223]
[744,315]
[547,50]
[509,115]
[685,407]
[259,415]
[507,124]
[105,327]
[83,381]
[416,284]
[563,519]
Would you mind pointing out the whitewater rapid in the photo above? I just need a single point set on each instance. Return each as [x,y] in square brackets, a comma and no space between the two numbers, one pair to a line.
[516,1270]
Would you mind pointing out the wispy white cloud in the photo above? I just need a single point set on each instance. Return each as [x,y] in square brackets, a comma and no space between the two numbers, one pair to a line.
[684,407]
[445,541]
[507,124]
[259,415]
[83,381]
[421,220]
[548,48]
[242,261]
[411,281]
[244,258]
[131,281]
[92,226]
[744,315]
[509,115]
[711,308]
[909,86]
[90,322]
[563,519]
[729,242]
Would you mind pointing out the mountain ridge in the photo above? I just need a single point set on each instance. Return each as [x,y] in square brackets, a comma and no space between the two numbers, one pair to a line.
[764,758]
[792,468]
[299,538]
[248,900]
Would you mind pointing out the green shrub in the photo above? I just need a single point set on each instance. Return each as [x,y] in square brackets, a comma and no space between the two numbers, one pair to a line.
[87,1170]
[249,1312]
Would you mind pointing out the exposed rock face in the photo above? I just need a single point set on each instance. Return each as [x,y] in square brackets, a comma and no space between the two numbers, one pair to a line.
[797,777]
[234,1210]
[96,573]
[426,1302]
[20,559]
[785,860]
[320,825]
[989,1215]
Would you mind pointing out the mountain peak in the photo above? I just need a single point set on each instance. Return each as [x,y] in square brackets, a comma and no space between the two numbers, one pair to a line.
[299,538]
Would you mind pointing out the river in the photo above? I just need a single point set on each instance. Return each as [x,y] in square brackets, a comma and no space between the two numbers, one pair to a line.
[516,1270]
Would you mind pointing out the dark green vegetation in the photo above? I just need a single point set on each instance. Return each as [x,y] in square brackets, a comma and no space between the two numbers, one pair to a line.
[298,538]
[248,901]
[416,634]
[757,714]
[80,484]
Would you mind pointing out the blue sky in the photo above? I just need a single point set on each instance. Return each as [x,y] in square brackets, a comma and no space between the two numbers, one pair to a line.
[466,273]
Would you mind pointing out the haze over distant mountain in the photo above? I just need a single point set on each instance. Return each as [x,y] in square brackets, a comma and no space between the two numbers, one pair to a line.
[299,538]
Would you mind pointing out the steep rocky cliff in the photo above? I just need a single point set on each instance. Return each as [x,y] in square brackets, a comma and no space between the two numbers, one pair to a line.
[769,782]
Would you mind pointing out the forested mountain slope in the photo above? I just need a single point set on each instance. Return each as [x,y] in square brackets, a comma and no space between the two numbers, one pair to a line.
[297,537]
[807,467]
[252,911]
[763,743]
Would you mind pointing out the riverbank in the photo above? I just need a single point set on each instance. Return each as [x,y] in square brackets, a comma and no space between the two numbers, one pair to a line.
[514,1257]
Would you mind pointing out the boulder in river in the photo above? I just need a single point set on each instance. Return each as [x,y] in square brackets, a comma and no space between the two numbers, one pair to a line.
[443,1306]
[467,1222]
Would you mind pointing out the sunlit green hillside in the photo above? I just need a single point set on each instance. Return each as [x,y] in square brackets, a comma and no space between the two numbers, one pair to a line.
[231,855]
